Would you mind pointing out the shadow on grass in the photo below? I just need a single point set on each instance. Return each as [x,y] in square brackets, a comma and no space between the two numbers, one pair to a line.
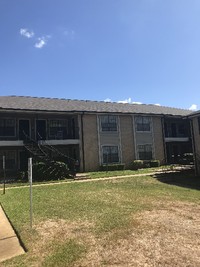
[183,178]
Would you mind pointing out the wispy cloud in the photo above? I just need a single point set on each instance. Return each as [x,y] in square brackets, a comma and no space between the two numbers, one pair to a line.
[26,33]
[39,41]
[42,41]
[125,101]
[193,107]
[69,33]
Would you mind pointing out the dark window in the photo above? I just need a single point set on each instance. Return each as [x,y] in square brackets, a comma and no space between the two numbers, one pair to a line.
[110,154]
[58,129]
[145,152]
[10,160]
[109,123]
[143,124]
[7,127]
[182,130]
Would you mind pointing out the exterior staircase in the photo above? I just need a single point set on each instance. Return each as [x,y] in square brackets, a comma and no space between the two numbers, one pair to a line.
[48,156]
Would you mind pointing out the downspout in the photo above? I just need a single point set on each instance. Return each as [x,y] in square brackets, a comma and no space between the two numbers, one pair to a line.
[193,147]
[82,141]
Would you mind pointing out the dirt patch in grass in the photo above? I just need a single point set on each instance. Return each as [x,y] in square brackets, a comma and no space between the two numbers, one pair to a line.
[166,236]
[163,237]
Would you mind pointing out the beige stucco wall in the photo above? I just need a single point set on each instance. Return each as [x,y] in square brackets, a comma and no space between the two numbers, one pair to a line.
[90,136]
[158,139]
[127,139]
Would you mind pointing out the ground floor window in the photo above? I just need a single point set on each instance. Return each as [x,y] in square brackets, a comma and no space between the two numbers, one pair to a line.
[10,159]
[145,152]
[110,154]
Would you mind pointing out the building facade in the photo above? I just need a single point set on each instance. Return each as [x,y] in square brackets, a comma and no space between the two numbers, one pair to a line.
[91,133]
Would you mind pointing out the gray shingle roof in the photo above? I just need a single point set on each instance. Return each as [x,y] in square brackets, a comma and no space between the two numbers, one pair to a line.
[66,105]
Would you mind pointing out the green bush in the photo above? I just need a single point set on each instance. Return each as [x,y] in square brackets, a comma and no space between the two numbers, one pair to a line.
[137,164]
[53,170]
[112,167]
[154,163]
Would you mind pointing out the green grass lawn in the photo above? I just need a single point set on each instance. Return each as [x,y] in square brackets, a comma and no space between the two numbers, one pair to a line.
[70,219]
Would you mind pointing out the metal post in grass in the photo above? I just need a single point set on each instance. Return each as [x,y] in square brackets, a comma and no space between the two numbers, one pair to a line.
[30,182]
[4,174]
[107,162]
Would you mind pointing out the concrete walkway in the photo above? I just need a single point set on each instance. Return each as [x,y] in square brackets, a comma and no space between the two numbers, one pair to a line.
[9,243]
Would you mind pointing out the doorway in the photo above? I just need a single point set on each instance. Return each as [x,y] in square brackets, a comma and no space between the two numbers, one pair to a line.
[41,129]
[24,129]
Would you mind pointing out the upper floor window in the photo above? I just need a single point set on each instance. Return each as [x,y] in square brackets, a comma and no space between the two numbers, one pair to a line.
[143,124]
[145,152]
[109,123]
[7,127]
[58,129]
[110,154]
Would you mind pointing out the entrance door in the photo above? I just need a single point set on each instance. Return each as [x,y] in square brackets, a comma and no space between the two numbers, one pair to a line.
[24,129]
[41,129]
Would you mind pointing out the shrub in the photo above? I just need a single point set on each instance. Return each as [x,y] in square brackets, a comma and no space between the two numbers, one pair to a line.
[154,163]
[53,170]
[112,167]
[137,164]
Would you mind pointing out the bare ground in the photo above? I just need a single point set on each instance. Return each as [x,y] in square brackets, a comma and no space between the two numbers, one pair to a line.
[167,236]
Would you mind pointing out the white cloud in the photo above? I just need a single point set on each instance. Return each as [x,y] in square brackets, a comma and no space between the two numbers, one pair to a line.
[26,33]
[157,105]
[193,107]
[128,100]
[107,100]
[42,41]
[137,103]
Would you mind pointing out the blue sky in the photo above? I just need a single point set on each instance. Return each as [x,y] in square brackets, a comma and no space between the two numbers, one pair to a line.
[145,51]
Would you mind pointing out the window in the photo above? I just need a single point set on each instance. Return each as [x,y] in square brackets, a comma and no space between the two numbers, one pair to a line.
[7,127]
[110,154]
[143,124]
[10,159]
[145,152]
[181,130]
[58,129]
[109,123]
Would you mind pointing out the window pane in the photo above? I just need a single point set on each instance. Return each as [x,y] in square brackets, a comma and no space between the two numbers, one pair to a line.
[110,154]
[7,127]
[142,124]
[145,152]
[108,123]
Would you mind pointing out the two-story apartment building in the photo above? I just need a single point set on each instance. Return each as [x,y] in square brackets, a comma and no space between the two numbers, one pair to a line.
[94,133]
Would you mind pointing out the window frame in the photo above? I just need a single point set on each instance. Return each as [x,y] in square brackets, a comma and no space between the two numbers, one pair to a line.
[56,135]
[109,123]
[110,147]
[145,151]
[143,124]
[4,123]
